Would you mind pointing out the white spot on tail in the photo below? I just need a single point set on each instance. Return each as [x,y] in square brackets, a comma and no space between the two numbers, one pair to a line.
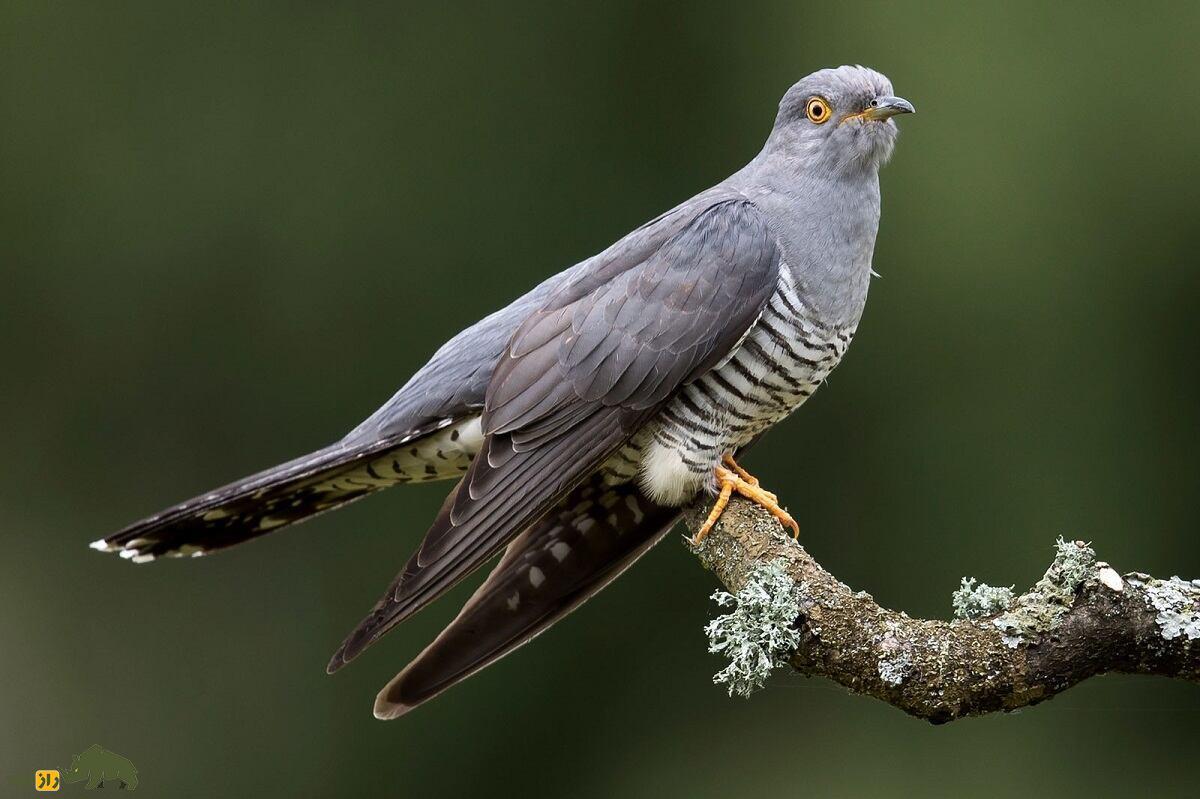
[635,508]
[536,576]
[101,545]
[560,550]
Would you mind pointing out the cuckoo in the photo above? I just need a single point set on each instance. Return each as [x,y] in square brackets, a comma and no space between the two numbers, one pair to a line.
[581,417]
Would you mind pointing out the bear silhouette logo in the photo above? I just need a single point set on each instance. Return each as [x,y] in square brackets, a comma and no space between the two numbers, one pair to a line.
[101,768]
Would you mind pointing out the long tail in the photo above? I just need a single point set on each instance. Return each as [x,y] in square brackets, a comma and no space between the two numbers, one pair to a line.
[297,490]
[546,572]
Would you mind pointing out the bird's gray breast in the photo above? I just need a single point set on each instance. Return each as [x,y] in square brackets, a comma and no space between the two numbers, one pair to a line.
[826,227]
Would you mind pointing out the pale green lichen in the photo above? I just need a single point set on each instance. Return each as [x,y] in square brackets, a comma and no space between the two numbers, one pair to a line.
[893,670]
[759,634]
[896,664]
[1178,604]
[973,601]
[1042,607]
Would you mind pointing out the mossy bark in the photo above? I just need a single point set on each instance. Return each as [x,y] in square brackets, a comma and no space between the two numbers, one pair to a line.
[1079,620]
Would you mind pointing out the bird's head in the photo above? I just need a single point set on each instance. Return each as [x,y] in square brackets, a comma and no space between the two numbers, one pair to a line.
[839,120]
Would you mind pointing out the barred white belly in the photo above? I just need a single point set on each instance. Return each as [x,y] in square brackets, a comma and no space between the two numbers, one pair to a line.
[783,359]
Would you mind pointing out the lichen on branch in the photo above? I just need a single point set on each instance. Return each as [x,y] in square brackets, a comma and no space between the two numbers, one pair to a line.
[757,635]
[1177,603]
[973,601]
[1040,609]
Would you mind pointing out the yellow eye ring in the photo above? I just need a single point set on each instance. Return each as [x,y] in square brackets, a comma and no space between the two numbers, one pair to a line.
[817,110]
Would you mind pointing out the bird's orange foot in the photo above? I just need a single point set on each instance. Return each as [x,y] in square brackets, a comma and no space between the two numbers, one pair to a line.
[730,463]
[738,479]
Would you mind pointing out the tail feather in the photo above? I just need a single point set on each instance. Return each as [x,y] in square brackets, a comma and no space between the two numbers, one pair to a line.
[546,572]
[294,491]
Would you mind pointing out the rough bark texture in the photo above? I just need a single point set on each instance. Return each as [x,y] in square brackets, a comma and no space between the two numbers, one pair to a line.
[1080,620]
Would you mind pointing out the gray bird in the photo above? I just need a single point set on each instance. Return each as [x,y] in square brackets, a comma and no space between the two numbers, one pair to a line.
[583,415]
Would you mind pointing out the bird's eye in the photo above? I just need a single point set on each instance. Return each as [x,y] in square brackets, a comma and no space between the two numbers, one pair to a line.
[817,110]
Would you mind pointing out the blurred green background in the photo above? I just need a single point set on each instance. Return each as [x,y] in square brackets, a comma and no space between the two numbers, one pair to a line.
[229,231]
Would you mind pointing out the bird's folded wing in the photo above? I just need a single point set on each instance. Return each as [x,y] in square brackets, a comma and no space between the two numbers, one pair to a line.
[581,376]
[546,572]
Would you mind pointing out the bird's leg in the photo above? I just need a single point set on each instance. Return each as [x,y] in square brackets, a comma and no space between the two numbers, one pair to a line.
[717,509]
[745,475]
[739,481]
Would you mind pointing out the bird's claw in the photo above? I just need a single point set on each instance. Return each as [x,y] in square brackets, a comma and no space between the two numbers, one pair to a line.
[737,479]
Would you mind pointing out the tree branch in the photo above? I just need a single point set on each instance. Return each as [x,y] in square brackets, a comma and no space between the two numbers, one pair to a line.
[1081,619]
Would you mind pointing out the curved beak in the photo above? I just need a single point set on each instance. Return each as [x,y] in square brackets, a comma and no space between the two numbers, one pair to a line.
[887,106]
